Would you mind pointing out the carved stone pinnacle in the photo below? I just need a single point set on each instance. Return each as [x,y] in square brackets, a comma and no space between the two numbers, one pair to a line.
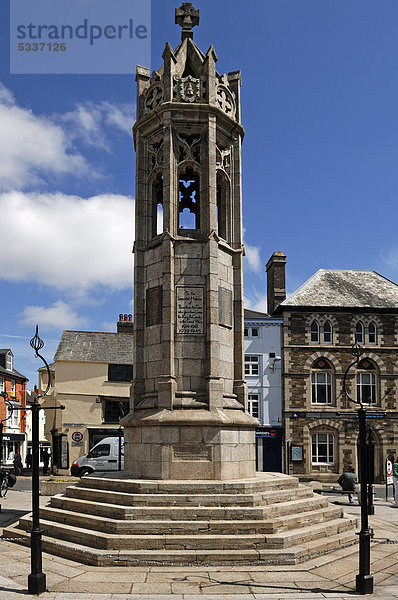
[187,17]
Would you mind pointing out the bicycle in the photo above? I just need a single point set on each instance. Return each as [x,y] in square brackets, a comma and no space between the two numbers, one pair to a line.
[7,480]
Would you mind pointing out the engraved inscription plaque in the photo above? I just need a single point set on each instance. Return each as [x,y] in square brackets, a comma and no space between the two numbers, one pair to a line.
[225,307]
[154,305]
[190,309]
[191,453]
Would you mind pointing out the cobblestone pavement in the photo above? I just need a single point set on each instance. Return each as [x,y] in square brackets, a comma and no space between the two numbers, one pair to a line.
[330,576]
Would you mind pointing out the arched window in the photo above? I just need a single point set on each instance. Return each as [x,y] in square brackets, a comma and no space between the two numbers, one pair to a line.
[157,205]
[221,205]
[327,332]
[188,200]
[322,448]
[359,332]
[366,382]
[315,332]
[321,382]
[372,333]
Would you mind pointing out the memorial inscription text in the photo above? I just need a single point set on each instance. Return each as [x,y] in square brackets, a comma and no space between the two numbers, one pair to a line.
[190,310]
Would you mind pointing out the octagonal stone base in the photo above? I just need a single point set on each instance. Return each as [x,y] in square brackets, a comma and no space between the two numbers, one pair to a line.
[183,444]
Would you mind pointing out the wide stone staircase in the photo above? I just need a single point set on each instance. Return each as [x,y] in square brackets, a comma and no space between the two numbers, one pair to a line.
[108,520]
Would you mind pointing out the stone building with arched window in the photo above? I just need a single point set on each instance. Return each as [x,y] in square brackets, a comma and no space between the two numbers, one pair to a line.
[321,322]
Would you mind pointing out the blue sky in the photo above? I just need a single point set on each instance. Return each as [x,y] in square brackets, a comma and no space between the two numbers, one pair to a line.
[320,155]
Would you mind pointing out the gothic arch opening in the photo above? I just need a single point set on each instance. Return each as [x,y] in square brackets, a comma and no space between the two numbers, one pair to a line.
[157,205]
[188,200]
[223,212]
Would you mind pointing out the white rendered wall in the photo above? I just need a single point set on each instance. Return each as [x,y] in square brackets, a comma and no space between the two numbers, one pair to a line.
[268,384]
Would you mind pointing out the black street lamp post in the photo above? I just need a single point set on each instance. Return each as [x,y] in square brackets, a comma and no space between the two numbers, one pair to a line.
[364,580]
[37,579]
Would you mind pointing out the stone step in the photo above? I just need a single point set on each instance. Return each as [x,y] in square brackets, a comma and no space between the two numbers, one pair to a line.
[262,482]
[179,513]
[127,499]
[190,527]
[147,542]
[309,533]
[99,557]
[126,526]
[191,540]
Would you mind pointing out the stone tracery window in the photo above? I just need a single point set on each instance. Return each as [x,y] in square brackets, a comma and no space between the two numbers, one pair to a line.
[222,205]
[188,200]
[157,205]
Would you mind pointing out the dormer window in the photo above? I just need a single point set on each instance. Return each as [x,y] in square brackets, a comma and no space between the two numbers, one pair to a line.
[9,361]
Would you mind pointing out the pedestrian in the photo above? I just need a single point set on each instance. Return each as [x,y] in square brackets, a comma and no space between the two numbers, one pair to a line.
[395,482]
[45,457]
[28,460]
[348,481]
[17,462]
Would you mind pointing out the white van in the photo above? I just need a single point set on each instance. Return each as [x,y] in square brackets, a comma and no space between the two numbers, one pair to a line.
[104,456]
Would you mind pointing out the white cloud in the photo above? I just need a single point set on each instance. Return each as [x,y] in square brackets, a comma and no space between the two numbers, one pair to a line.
[67,242]
[34,147]
[90,122]
[255,300]
[58,316]
[253,260]
[31,145]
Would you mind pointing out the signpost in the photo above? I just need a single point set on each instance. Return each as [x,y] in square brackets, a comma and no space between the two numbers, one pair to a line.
[389,475]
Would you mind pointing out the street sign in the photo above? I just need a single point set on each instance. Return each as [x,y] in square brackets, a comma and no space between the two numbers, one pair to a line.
[77,436]
[389,478]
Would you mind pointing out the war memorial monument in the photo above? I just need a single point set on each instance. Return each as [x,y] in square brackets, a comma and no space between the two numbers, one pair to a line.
[189,493]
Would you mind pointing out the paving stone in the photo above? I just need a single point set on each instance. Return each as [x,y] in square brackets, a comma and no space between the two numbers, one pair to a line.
[92,587]
[151,588]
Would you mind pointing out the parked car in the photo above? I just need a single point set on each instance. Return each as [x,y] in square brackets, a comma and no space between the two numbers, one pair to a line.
[104,456]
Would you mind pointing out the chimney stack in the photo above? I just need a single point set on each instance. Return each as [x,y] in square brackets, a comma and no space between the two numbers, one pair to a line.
[125,324]
[276,286]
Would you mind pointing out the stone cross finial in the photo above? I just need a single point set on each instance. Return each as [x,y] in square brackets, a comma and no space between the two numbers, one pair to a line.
[187,17]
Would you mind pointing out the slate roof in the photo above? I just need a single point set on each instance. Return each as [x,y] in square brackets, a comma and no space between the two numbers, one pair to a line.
[345,289]
[12,373]
[92,346]
[254,314]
